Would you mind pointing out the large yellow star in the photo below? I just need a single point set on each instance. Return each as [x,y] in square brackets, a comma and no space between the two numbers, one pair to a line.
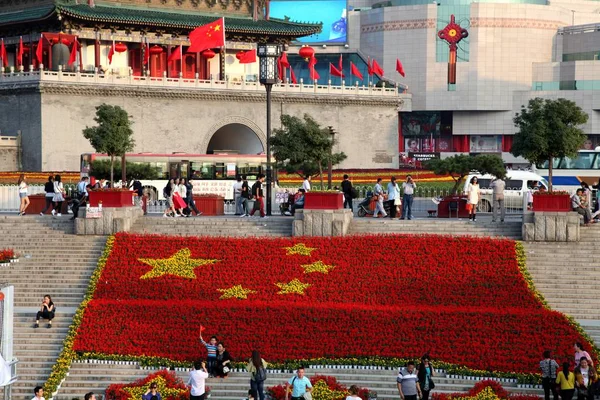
[237,292]
[299,248]
[217,28]
[179,264]
[136,392]
[294,286]
[317,266]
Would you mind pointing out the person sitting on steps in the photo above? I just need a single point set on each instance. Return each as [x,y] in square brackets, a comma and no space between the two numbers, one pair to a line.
[47,311]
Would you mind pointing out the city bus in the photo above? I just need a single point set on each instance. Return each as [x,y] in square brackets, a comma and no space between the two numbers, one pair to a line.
[567,173]
[209,173]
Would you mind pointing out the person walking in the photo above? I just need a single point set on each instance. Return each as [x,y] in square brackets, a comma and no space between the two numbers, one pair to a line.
[393,192]
[566,381]
[473,198]
[237,195]
[424,374]
[347,191]
[49,189]
[245,197]
[498,186]
[24,199]
[259,199]
[408,188]
[298,385]
[59,196]
[378,192]
[168,195]
[407,382]
[585,379]
[549,368]
[306,183]
[257,367]
[81,197]
[189,199]
[197,381]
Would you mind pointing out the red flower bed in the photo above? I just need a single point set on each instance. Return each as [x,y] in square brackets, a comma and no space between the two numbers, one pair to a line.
[461,299]
[6,255]
[168,384]
[329,389]
[366,176]
[496,387]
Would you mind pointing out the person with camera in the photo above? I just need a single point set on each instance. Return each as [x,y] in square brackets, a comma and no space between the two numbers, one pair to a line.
[152,393]
[379,199]
[408,188]
[197,381]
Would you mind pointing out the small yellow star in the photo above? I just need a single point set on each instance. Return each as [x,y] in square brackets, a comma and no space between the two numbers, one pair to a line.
[237,292]
[291,287]
[317,266]
[179,264]
[299,248]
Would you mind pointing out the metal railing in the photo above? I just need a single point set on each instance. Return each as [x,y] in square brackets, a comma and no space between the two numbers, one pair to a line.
[9,195]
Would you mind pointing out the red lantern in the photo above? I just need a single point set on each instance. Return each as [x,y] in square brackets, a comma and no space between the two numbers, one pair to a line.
[156,49]
[66,42]
[54,40]
[208,54]
[120,47]
[306,52]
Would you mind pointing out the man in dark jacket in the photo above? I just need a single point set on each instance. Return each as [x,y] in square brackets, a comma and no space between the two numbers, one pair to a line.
[347,190]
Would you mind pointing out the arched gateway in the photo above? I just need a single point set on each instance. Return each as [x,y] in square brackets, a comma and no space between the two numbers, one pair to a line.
[236,135]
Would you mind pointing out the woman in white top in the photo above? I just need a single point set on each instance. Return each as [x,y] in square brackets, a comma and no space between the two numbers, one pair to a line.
[59,195]
[353,390]
[473,198]
[23,194]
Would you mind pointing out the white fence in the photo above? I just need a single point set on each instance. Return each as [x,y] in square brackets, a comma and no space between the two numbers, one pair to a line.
[9,196]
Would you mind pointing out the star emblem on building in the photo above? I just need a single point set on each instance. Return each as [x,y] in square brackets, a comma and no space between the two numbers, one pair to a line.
[317,266]
[179,264]
[235,292]
[300,248]
[292,287]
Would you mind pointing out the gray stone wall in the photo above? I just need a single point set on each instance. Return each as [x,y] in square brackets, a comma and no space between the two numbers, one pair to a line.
[551,227]
[322,222]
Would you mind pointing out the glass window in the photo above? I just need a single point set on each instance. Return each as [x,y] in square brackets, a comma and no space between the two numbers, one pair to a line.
[512,184]
[484,183]
[584,161]
[202,170]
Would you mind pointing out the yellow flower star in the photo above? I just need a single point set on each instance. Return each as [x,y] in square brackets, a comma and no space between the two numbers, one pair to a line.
[237,292]
[317,266]
[291,287]
[179,264]
[136,392]
[299,248]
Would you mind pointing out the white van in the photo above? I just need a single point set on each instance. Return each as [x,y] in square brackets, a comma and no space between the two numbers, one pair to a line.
[518,184]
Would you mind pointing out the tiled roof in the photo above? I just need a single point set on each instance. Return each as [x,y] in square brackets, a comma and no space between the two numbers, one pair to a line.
[28,14]
[185,20]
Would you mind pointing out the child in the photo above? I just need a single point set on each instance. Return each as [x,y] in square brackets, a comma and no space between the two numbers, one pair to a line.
[211,349]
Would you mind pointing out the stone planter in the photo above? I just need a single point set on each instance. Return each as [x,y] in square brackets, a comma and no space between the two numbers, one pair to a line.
[551,202]
[323,201]
[111,198]
[38,202]
[444,208]
[210,204]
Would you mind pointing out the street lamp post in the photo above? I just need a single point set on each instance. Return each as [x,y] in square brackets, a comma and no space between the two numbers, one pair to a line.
[268,54]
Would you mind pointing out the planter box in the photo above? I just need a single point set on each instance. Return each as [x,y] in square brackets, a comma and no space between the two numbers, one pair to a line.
[443,209]
[210,205]
[552,202]
[323,201]
[117,198]
[38,202]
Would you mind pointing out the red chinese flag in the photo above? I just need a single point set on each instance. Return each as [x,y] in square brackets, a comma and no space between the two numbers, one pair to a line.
[312,62]
[248,57]
[73,56]
[176,55]
[39,52]
[340,66]
[146,54]
[208,36]
[369,67]
[280,70]
[111,53]
[314,75]
[202,329]
[20,52]
[377,68]
[293,76]
[334,71]
[399,67]
[354,71]
[284,60]
[3,54]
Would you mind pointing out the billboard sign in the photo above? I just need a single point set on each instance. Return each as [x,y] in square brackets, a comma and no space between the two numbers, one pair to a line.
[331,12]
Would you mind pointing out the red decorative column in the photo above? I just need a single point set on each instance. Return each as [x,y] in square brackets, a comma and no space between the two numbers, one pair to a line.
[452,33]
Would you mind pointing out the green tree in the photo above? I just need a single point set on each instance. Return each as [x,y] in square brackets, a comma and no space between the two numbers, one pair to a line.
[548,129]
[100,169]
[113,135]
[459,166]
[301,146]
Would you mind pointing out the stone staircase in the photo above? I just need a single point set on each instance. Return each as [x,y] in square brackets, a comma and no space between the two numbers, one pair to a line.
[86,377]
[485,227]
[52,261]
[216,226]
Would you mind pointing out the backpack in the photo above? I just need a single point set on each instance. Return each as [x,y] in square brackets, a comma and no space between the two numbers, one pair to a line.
[165,195]
[260,375]
[353,192]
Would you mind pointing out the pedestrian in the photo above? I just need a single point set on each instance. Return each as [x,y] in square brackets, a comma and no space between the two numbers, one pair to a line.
[49,189]
[82,198]
[473,198]
[47,311]
[566,380]
[299,385]
[223,361]
[138,189]
[257,194]
[424,373]
[549,369]
[24,199]
[152,393]
[190,198]
[348,191]
[585,378]
[257,367]
[211,353]
[168,195]
[379,199]
[393,192]
[38,393]
[252,395]
[353,393]
[306,183]
[580,352]
[89,396]
[299,200]
[237,195]
[407,382]
[498,186]
[587,193]
[59,196]
[245,197]
[580,208]
[197,381]
[408,188]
